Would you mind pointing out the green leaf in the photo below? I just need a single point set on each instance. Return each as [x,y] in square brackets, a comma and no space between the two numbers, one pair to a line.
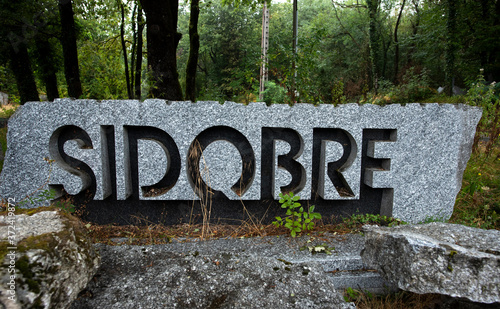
[282,200]
[301,208]
[296,198]
[293,233]
[288,212]
[311,209]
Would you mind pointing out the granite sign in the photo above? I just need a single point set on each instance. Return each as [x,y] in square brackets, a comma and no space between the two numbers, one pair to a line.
[157,159]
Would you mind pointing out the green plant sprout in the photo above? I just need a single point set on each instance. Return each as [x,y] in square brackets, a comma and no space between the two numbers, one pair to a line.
[297,220]
[48,195]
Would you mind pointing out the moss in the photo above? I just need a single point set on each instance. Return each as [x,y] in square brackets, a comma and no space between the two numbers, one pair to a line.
[32,275]
[26,269]
[30,211]
[3,249]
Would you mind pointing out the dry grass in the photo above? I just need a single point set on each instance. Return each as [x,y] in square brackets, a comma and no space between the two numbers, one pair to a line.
[8,110]
[153,234]
[398,300]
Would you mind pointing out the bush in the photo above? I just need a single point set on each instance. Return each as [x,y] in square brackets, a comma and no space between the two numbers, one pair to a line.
[273,93]
[414,88]
[487,97]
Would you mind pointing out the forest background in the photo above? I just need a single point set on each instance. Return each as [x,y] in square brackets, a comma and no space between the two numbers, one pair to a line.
[379,51]
[366,51]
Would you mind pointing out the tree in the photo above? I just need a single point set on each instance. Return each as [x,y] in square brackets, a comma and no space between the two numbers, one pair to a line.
[46,62]
[16,32]
[20,65]
[396,42]
[124,49]
[194,46]
[138,62]
[162,41]
[375,47]
[70,51]
[451,45]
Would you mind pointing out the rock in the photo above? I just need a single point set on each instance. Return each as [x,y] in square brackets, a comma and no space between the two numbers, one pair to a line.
[53,259]
[458,91]
[441,258]
[208,274]
[419,152]
[4,98]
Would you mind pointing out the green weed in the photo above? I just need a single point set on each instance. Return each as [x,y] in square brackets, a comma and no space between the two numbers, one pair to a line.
[478,203]
[356,220]
[297,219]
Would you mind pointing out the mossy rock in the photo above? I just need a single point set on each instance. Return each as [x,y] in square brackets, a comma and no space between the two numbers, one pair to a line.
[54,259]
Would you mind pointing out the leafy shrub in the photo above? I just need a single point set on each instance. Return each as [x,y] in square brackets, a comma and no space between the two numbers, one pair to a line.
[297,220]
[414,88]
[274,93]
[487,97]
[338,96]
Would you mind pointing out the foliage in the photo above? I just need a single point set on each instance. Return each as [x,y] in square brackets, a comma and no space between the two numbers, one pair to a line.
[486,96]
[355,221]
[229,55]
[338,96]
[44,196]
[400,299]
[8,110]
[297,220]
[274,93]
[478,203]
[352,295]
[3,142]
[414,88]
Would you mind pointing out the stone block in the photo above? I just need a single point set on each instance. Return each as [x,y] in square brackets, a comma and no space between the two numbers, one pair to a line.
[117,155]
[46,259]
[441,258]
[4,98]
[256,272]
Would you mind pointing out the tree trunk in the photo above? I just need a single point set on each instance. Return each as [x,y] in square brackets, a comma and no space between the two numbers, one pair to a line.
[138,62]
[70,52]
[133,54]
[194,46]
[374,42]
[163,38]
[451,46]
[46,64]
[124,50]
[415,26]
[21,67]
[396,43]
[495,53]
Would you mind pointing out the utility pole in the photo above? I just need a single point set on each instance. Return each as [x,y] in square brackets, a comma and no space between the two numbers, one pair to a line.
[294,46]
[264,46]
